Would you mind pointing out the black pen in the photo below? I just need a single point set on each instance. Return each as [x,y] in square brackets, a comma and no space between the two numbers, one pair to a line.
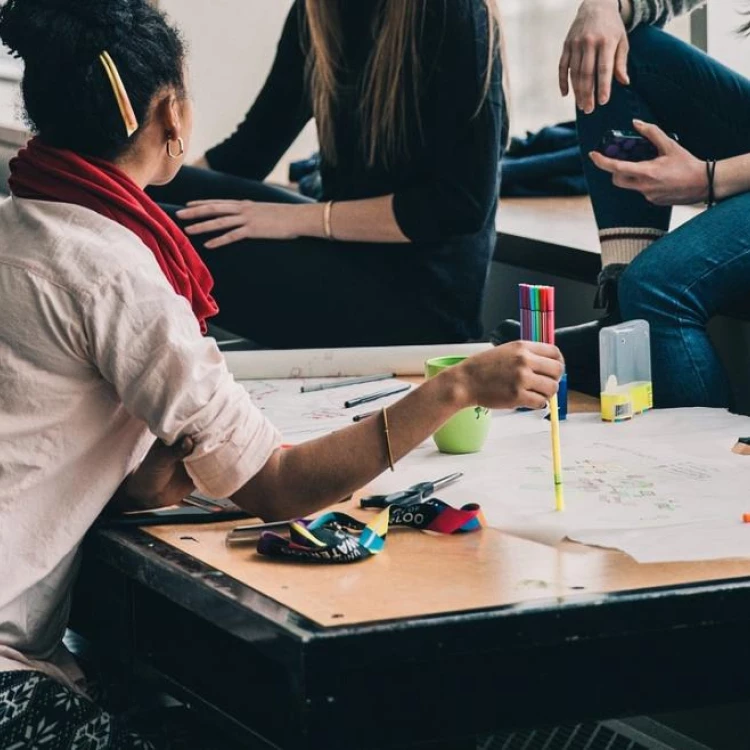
[375,396]
[360,417]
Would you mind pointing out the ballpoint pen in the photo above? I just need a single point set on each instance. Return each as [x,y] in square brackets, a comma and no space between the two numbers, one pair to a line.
[375,396]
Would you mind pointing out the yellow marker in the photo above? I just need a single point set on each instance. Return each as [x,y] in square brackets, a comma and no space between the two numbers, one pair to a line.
[554,418]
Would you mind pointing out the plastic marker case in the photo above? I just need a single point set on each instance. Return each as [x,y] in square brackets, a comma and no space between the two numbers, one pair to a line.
[625,370]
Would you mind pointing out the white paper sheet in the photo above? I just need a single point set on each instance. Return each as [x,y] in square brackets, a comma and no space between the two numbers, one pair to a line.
[304,416]
[663,487]
[326,363]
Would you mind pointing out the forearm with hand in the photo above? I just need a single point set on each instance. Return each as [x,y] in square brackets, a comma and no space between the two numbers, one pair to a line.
[160,479]
[368,220]
[595,52]
[675,177]
[299,480]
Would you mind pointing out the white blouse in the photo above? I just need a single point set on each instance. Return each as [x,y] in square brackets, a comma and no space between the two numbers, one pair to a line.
[98,355]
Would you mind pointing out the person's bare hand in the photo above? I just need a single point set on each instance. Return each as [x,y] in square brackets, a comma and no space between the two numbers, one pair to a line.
[159,481]
[674,178]
[594,53]
[239,220]
[522,373]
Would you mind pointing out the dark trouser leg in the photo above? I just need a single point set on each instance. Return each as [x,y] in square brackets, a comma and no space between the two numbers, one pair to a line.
[683,91]
[37,711]
[192,184]
[308,293]
[311,293]
[696,272]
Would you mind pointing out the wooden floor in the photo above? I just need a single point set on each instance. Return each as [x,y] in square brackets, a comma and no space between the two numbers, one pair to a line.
[563,221]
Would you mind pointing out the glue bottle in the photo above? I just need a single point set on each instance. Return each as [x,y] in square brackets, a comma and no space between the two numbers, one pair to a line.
[625,370]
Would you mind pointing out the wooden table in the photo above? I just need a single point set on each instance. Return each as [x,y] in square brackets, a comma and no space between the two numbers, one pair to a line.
[436,640]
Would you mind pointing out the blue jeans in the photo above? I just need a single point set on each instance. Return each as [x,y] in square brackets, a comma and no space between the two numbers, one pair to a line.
[702,269]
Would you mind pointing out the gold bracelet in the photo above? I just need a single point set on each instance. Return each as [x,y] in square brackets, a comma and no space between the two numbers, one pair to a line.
[327,228]
[388,440]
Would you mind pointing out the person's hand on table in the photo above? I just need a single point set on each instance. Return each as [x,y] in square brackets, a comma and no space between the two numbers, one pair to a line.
[595,51]
[159,481]
[675,177]
[240,220]
[521,373]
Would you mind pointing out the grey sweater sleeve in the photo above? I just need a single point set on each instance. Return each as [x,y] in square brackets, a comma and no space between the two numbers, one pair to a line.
[659,12]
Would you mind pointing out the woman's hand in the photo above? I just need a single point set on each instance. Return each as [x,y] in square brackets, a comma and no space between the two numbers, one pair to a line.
[522,373]
[595,50]
[241,220]
[674,178]
[159,481]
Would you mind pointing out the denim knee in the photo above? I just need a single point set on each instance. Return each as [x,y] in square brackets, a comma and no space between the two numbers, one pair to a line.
[646,43]
[652,287]
[632,293]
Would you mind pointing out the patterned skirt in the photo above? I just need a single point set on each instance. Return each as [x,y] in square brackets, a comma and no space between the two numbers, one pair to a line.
[39,713]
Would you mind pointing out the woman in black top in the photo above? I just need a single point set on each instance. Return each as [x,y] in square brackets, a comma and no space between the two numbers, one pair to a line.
[407,96]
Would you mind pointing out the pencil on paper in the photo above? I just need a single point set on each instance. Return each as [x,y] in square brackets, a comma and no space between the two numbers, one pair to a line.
[343,383]
[375,396]
[556,456]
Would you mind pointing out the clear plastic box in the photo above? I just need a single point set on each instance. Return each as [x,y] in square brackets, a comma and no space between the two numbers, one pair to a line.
[625,369]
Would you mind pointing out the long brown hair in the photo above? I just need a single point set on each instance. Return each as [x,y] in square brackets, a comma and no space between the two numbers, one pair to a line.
[394,78]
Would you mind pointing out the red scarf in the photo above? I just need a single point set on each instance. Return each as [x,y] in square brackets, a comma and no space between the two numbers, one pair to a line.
[44,173]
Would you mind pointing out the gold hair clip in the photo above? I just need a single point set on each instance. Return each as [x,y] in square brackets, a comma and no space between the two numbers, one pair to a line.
[123,100]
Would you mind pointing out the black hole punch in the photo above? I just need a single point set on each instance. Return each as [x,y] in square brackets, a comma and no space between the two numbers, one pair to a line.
[336,616]
[188,539]
[578,588]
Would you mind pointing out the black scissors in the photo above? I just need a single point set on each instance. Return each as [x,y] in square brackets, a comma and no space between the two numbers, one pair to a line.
[414,494]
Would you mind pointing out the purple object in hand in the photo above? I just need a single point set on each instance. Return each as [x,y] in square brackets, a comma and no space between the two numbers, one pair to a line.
[627,146]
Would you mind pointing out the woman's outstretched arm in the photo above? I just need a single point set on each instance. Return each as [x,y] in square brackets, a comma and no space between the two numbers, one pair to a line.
[308,477]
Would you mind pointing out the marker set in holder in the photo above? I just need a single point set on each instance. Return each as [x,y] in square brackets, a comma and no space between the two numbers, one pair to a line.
[537,305]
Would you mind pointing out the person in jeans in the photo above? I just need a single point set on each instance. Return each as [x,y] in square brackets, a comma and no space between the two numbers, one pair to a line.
[408,103]
[109,391]
[627,74]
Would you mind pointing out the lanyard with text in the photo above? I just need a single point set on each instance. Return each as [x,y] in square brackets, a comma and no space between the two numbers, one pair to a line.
[338,538]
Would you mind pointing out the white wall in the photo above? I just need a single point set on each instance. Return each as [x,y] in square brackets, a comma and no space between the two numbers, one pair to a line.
[723,43]
[231,47]
[10,100]
[10,106]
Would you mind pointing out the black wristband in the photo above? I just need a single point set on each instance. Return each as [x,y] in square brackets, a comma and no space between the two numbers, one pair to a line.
[710,176]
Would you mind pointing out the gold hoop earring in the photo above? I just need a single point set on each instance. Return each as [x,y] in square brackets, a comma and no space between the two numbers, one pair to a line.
[181,144]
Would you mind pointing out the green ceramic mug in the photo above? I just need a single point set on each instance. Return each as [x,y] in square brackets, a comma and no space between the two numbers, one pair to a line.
[465,432]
